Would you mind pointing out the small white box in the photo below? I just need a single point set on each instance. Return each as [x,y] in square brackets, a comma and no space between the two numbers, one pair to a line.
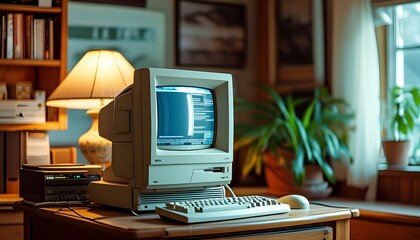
[45,3]
[22,112]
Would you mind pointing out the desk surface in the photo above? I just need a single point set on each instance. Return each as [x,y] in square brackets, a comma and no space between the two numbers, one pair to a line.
[385,211]
[8,199]
[149,225]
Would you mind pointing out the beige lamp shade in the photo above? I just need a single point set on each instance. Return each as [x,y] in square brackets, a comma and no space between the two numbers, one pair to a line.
[95,80]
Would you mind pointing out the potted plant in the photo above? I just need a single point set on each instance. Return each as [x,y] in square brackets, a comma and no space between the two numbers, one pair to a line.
[401,117]
[293,134]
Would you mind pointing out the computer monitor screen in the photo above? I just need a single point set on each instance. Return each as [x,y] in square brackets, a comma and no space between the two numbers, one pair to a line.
[185,117]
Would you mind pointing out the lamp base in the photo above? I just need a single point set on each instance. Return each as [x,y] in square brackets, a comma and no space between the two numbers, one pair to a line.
[96,149]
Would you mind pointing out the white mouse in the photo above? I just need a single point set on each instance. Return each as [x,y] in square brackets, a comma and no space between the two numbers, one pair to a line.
[295,201]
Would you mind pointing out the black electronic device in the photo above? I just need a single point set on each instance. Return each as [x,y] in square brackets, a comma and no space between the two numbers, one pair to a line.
[57,182]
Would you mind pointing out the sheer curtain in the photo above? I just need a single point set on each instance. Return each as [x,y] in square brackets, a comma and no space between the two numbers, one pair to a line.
[355,77]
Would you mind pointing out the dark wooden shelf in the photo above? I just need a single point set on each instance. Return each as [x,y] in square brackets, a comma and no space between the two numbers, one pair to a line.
[30,62]
[29,8]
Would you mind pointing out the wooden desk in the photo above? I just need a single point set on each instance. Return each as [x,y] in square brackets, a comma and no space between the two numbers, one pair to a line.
[80,222]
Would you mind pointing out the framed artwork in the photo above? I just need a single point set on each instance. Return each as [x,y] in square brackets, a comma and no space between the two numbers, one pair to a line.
[210,34]
[138,34]
[299,42]
[3,91]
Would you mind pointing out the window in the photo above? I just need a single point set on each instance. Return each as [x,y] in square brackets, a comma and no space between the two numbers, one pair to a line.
[404,55]
[407,44]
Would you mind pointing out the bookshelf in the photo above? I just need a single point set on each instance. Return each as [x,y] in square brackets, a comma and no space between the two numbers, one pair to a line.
[44,74]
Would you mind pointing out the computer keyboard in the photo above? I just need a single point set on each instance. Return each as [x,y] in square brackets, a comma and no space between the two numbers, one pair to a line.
[216,209]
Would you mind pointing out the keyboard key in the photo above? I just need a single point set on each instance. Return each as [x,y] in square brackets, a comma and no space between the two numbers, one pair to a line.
[222,207]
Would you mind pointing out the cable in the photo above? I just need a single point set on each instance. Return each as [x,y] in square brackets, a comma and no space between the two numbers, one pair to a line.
[134,213]
[80,215]
[329,205]
[62,205]
[230,190]
[53,203]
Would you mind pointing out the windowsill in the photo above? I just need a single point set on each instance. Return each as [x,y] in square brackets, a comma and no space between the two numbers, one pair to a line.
[385,167]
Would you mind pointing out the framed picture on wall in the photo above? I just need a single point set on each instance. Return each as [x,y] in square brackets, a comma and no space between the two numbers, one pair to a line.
[299,42]
[210,34]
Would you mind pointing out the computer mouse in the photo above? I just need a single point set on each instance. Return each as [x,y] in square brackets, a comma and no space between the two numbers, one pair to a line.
[295,201]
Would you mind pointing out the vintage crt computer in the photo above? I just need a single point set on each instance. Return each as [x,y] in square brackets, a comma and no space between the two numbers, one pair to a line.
[172,139]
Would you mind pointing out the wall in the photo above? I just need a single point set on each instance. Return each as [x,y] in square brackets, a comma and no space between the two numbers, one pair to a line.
[244,78]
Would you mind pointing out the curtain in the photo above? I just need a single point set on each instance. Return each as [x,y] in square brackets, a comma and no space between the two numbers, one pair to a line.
[355,78]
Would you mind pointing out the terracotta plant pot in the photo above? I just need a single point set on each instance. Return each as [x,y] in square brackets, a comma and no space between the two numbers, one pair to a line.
[280,180]
[396,152]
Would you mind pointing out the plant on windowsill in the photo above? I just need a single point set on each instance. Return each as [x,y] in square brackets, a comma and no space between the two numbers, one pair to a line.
[400,121]
[290,145]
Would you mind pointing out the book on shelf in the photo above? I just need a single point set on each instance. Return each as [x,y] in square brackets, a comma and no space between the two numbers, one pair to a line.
[39,38]
[29,40]
[52,113]
[3,37]
[18,33]
[49,39]
[9,36]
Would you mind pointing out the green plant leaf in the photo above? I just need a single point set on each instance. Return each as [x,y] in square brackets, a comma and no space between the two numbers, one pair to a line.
[308,114]
[304,138]
[344,150]
[250,161]
[415,92]
[412,109]
[397,93]
[410,120]
[332,143]
[298,166]
[402,125]
[277,98]
[316,148]
[337,116]
[326,168]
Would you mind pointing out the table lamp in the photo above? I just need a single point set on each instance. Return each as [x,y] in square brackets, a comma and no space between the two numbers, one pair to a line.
[95,81]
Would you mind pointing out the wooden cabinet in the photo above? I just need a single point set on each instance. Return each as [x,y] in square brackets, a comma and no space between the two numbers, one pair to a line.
[399,184]
[11,221]
[43,74]
[380,219]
